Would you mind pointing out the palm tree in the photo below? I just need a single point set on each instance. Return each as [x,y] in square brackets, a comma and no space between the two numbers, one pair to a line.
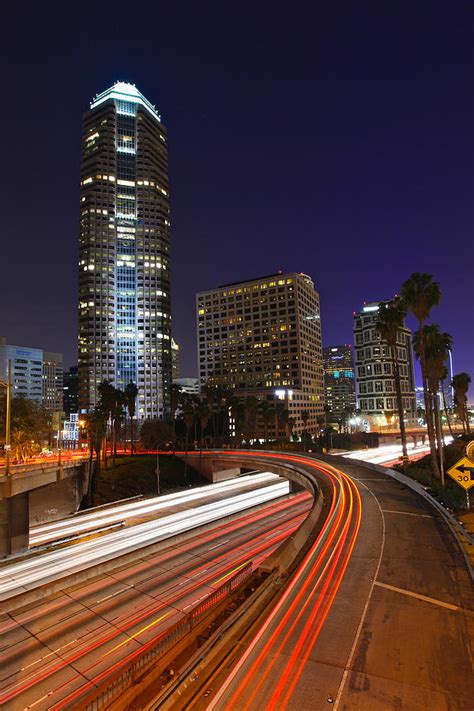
[437,347]
[304,417]
[96,424]
[131,392]
[390,321]
[268,415]
[278,412]
[250,405]
[460,383]
[107,397]
[204,415]
[444,375]
[290,423]
[420,293]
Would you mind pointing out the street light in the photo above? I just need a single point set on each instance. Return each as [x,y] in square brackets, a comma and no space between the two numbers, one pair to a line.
[8,385]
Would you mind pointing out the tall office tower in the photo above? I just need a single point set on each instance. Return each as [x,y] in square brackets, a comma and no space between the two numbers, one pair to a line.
[339,381]
[124,283]
[374,370]
[263,337]
[70,393]
[53,381]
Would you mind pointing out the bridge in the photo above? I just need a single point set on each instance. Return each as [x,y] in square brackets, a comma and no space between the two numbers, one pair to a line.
[38,492]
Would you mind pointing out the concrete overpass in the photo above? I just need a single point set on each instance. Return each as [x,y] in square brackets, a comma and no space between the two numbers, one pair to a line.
[33,493]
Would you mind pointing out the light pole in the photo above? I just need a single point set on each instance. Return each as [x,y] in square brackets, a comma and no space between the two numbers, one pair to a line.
[8,416]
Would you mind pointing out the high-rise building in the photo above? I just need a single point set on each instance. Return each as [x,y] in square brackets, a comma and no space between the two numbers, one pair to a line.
[263,337]
[374,370]
[175,359]
[339,381]
[53,381]
[70,392]
[124,282]
[35,374]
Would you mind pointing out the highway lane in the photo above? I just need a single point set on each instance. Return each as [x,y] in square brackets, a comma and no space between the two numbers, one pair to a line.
[152,507]
[378,616]
[53,650]
[35,571]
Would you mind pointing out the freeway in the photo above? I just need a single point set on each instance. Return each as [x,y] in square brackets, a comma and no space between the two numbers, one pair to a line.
[129,513]
[378,615]
[58,648]
[35,571]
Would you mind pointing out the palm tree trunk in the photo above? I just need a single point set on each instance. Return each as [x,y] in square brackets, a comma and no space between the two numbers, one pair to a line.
[398,390]
[438,430]
[448,419]
[428,408]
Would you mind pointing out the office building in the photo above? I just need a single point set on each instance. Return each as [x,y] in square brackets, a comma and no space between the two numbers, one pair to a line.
[190,386]
[339,380]
[124,282]
[35,374]
[263,337]
[53,381]
[70,391]
[376,394]
[175,370]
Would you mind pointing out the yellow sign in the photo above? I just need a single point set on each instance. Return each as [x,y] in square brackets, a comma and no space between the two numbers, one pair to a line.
[463,473]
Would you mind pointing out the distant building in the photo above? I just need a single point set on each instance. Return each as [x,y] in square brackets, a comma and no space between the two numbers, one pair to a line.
[263,337]
[70,391]
[124,251]
[339,380]
[35,374]
[175,359]
[376,394]
[187,385]
[53,381]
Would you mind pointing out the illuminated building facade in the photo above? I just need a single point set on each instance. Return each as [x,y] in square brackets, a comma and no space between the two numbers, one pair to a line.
[175,363]
[339,380]
[124,282]
[70,393]
[263,338]
[35,374]
[376,394]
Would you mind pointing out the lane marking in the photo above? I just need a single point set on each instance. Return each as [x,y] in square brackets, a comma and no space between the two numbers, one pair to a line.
[366,607]
[407,513]
[425,598]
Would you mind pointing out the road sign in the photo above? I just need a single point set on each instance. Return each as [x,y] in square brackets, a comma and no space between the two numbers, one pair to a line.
[463,473]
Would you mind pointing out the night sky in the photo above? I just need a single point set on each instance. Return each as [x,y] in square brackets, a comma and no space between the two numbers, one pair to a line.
[336,141]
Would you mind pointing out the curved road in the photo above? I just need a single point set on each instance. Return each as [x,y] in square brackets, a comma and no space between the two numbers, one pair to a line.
[378,616]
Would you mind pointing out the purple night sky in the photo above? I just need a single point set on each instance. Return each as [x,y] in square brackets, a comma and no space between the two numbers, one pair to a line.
[338,142]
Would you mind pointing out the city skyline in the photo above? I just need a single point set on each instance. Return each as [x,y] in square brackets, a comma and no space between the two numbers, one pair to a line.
[374,170]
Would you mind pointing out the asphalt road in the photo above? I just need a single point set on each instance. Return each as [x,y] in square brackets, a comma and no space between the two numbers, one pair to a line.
[379,616]
[55,649]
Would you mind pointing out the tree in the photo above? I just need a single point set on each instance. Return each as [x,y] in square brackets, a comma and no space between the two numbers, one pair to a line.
[250,409]
[31,425]
[447,412]
[290,423]
[156,433]
[107,398]
[304,418]
[268,415]
[460,383]
[131,392]
[390,321]
[420,293]
[96,424]
[204,414]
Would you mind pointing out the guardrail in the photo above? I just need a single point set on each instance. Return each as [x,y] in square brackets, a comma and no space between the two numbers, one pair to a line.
[125,677]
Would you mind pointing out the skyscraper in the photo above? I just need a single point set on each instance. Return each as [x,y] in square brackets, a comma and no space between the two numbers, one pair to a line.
[263,337]
[374,370]
[339,382]
[124,277]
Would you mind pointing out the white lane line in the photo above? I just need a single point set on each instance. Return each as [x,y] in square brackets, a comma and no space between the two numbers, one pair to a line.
[407,513]
[366,607]
[425,598]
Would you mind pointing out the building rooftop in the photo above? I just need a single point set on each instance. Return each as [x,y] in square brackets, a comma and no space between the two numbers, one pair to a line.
[123,91]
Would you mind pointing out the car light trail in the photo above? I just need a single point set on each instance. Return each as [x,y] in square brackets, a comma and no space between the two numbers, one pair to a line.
[109,647]
[87,522]
[15,578]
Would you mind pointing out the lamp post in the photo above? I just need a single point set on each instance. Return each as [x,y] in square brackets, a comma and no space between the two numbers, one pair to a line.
[8,416]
